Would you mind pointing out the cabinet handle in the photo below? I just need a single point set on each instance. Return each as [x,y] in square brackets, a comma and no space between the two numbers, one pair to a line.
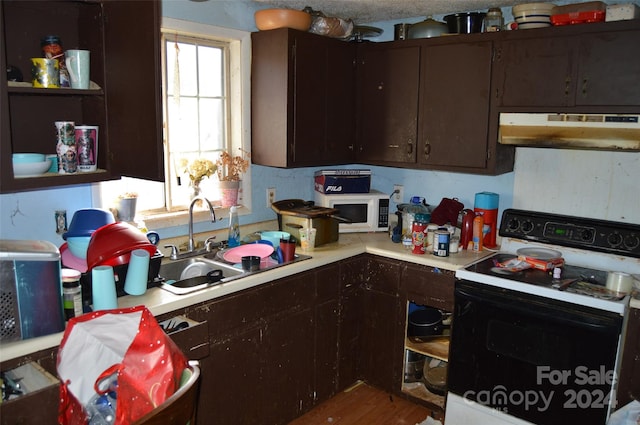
[410,147]
[427,149]
[381,85]
[567,83]
[394,146]
[584,86]
[350,147]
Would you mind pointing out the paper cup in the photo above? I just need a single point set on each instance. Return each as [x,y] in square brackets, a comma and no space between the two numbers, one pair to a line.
[66,147]
[137,272]
[45,73]
[103,286]
[86,140]
[308,239]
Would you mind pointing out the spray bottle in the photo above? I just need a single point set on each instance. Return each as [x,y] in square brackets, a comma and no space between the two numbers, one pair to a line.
[234,228]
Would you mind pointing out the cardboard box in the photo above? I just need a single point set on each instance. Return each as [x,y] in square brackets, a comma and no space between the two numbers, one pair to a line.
[342,181]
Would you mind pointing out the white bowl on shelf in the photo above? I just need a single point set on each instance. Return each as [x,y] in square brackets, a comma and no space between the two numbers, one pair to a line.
[22,158]
[31,169]
[533,15]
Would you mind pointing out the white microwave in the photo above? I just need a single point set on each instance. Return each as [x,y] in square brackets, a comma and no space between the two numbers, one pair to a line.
[368,212]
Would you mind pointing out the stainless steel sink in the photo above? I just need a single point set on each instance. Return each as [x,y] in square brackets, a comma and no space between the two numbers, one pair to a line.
[185,276]
[181,276]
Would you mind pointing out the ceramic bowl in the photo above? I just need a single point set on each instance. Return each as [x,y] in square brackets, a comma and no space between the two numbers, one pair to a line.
[22,158]
[78,246]
[533,15]
[269,19]
[31,169]
[87,220]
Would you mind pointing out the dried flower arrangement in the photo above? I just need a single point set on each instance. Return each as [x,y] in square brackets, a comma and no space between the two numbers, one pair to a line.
[198,169]
[230,168]
[128,195]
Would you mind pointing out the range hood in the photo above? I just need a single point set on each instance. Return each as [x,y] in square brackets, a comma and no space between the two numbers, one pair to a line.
[612,132]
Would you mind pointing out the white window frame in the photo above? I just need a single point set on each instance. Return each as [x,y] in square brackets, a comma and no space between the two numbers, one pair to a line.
[240,119]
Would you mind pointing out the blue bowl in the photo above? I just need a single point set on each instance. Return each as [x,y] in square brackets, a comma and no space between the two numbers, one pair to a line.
[78,245]
[88,220]
[23,158]
[274,237]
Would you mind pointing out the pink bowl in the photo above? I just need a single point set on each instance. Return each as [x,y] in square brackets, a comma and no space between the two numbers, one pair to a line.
[111,245]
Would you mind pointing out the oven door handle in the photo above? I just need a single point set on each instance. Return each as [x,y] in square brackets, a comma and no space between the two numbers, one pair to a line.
[534,306]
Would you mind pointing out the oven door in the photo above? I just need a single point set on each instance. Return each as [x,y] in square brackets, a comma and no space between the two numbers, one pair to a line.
[544,361]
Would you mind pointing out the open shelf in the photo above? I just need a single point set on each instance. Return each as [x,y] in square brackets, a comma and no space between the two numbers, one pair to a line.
[418,390]
[437,347]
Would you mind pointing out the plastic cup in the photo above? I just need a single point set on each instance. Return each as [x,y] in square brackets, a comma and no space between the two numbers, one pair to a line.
[103,286]
[308,239]
[137,273]
[288,248]
[251,263]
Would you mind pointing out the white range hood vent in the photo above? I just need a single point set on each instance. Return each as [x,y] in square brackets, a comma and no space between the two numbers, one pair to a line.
[611,132]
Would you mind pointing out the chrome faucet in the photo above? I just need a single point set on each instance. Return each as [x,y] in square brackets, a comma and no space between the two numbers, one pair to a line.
[191,251]
[213,218]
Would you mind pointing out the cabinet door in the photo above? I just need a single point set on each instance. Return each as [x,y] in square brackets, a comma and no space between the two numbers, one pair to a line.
[302,99]
[134,87]
[609,69]
[455,100]
[429,286]
[327,317]
[351,275]
[388,95]
[536,72]
[288,367]
[381,324]
[309,97]
[231,386]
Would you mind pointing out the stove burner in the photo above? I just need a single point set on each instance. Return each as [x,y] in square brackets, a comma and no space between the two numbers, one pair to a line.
[505,271]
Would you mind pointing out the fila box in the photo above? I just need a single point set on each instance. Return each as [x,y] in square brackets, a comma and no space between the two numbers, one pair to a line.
[342,181]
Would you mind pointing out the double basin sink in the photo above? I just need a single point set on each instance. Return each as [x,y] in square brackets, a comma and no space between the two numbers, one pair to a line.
[192,274]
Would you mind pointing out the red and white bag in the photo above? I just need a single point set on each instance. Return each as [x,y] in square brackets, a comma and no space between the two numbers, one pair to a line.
[128,342]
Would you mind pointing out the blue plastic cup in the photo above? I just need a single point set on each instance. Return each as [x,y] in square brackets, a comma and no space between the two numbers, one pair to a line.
[103,285]
[137,273]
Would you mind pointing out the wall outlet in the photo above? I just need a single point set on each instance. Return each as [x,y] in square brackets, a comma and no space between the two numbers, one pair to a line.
[271,196]
[398,193]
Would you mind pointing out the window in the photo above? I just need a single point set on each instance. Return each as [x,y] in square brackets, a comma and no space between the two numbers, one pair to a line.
[205,77]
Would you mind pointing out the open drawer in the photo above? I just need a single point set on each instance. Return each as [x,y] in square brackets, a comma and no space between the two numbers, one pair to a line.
[190,336]
[38,402]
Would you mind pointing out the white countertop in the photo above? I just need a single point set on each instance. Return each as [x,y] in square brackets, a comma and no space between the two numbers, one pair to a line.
[160,301]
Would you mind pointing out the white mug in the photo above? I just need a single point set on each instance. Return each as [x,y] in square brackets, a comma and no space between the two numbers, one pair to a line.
[77,62]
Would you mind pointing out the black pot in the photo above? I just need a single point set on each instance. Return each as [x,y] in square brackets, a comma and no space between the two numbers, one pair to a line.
[465,23]
[425,322]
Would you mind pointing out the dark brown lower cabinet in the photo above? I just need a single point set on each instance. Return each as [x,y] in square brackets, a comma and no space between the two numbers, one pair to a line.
[271,353]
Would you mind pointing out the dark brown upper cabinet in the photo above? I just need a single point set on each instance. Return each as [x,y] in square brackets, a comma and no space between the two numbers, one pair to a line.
[388,92]
[455,109]
[302,100]
[124,40]
[587,67]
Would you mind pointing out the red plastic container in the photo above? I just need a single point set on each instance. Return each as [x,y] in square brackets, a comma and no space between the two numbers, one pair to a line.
[578,18]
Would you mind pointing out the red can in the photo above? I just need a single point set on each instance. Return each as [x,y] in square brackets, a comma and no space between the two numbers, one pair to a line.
[418,233]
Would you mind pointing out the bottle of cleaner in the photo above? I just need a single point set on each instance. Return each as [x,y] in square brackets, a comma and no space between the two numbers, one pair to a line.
[478,225]
[234,228]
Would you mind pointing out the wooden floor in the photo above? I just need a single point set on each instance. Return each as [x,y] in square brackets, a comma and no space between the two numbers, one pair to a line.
[364,405]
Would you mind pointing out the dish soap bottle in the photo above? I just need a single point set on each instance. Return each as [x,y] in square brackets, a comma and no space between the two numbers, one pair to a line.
[234,228]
